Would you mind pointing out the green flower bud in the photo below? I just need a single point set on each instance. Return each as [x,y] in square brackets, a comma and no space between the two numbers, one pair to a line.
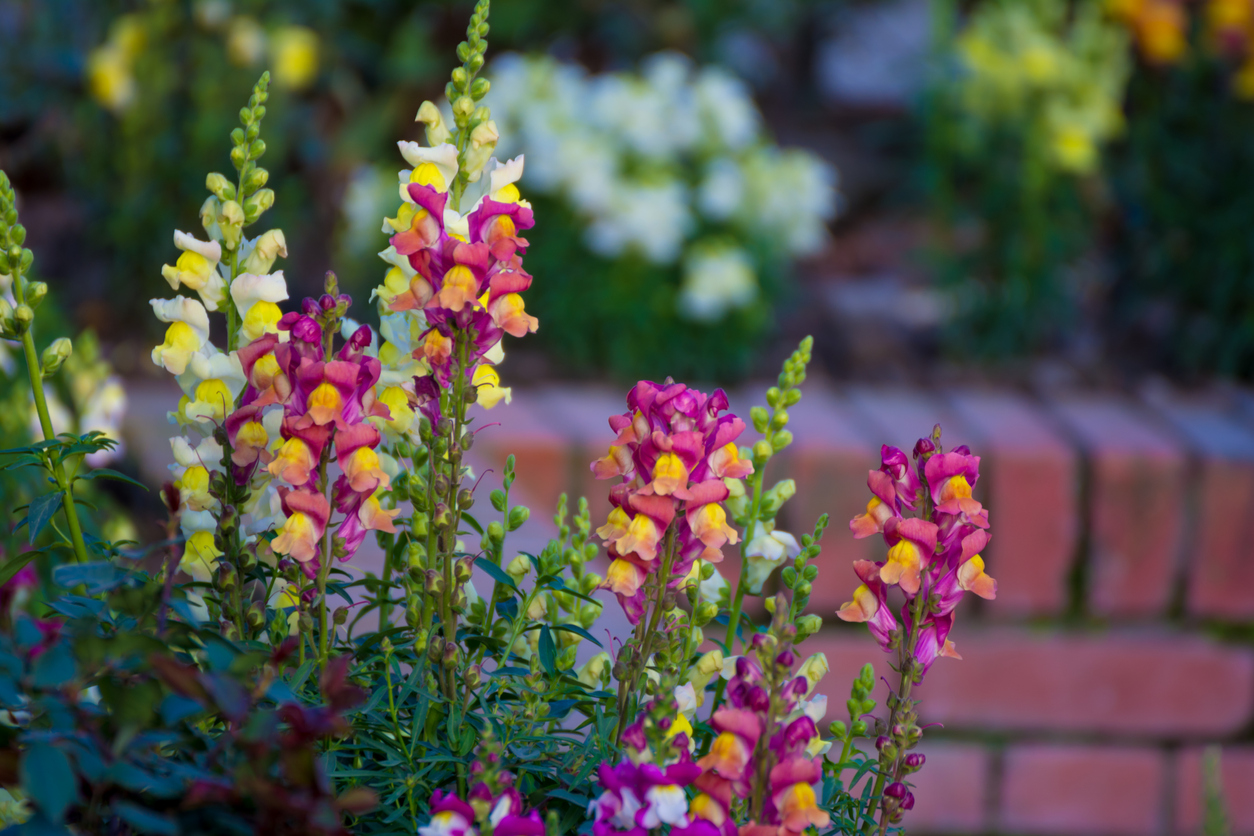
[517,516]
[17,234]
[220,187]
[808,625]
[760,418]
[496,532]
[257,204]
[589,613]
[762,451]
[460,77]
[256,149]
[54,355]
[256,178]
[463,106]
[782,439]
[35,293]
[772,397]
[704,613]
[480,88]
[859,728]
[22,319]
[837,729]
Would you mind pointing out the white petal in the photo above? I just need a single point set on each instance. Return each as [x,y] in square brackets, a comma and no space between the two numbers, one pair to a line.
[211,250]
[183,309]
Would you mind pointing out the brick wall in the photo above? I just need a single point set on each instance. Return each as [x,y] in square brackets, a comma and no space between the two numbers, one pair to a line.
[1124,550]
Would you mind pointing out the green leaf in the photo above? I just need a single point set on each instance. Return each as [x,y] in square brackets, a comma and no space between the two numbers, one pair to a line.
[498,574]
[145,821]
[40,512]
[53,668]
[548,650]
[14,564]
[106,473]
[473,523]
[579,631]
[48,780]
[98,576]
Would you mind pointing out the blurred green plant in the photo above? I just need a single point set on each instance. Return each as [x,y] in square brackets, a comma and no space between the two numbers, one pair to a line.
[1028,94]
[1184,299]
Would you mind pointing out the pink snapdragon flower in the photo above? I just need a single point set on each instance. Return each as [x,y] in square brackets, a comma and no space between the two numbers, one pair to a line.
[674,448]
[937,557]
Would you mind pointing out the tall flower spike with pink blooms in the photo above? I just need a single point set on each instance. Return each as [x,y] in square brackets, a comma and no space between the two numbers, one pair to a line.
[646,790]
[933,559]
[674,449]
[761,752]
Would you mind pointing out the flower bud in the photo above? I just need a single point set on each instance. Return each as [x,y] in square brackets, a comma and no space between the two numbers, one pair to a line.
[54,355]
[762,451]
[463,569]
[449,659]
[760,418]
[775,498]
[538,608]
[35,293]
[915,760]
[483,141]
[231,221]
[895,790]
[837,729]
[340,616]
[705,613]
[220,187]
[22,319]
[257,204]
[518,515]
[437,132]
[479,88]
[859,727]
[474,677]
[269,245]
[518,567]
[496,532]
[463,106]
[435,650]
[808,625]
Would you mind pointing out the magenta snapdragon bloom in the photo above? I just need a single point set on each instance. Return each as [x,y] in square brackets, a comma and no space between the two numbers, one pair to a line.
[675,446]
[937,557]
[464,285]
[325,401]
[492,801]
[732,764]
[646,790]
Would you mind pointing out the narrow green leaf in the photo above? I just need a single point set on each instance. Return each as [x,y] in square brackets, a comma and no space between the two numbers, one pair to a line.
[14,564]
[579,631]
[40,512]
[106,473]
[548,650]
[498,574]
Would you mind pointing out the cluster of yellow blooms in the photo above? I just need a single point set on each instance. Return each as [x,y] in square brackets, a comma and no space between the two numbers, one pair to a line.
[291,52]
[1029,63]
[1161,29]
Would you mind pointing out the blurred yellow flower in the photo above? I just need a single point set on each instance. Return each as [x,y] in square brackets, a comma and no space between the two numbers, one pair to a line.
[294,52]
[110,76]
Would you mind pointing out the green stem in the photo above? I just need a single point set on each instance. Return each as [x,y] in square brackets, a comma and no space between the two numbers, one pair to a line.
[733,619]
[645,641]
[35,372]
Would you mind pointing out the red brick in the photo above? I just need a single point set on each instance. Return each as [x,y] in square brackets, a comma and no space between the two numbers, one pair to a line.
[900,417]
[949,791]
[1220,573]
[581,416]
[1111,791]
[1010,679]
[1032,483]
[1137,504]
[542,454]
[1237,777]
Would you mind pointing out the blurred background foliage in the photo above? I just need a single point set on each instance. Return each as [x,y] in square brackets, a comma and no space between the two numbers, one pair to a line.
[1075,170]
[115,118]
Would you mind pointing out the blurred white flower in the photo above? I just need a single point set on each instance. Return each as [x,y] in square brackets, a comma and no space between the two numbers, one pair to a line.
[717,279]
